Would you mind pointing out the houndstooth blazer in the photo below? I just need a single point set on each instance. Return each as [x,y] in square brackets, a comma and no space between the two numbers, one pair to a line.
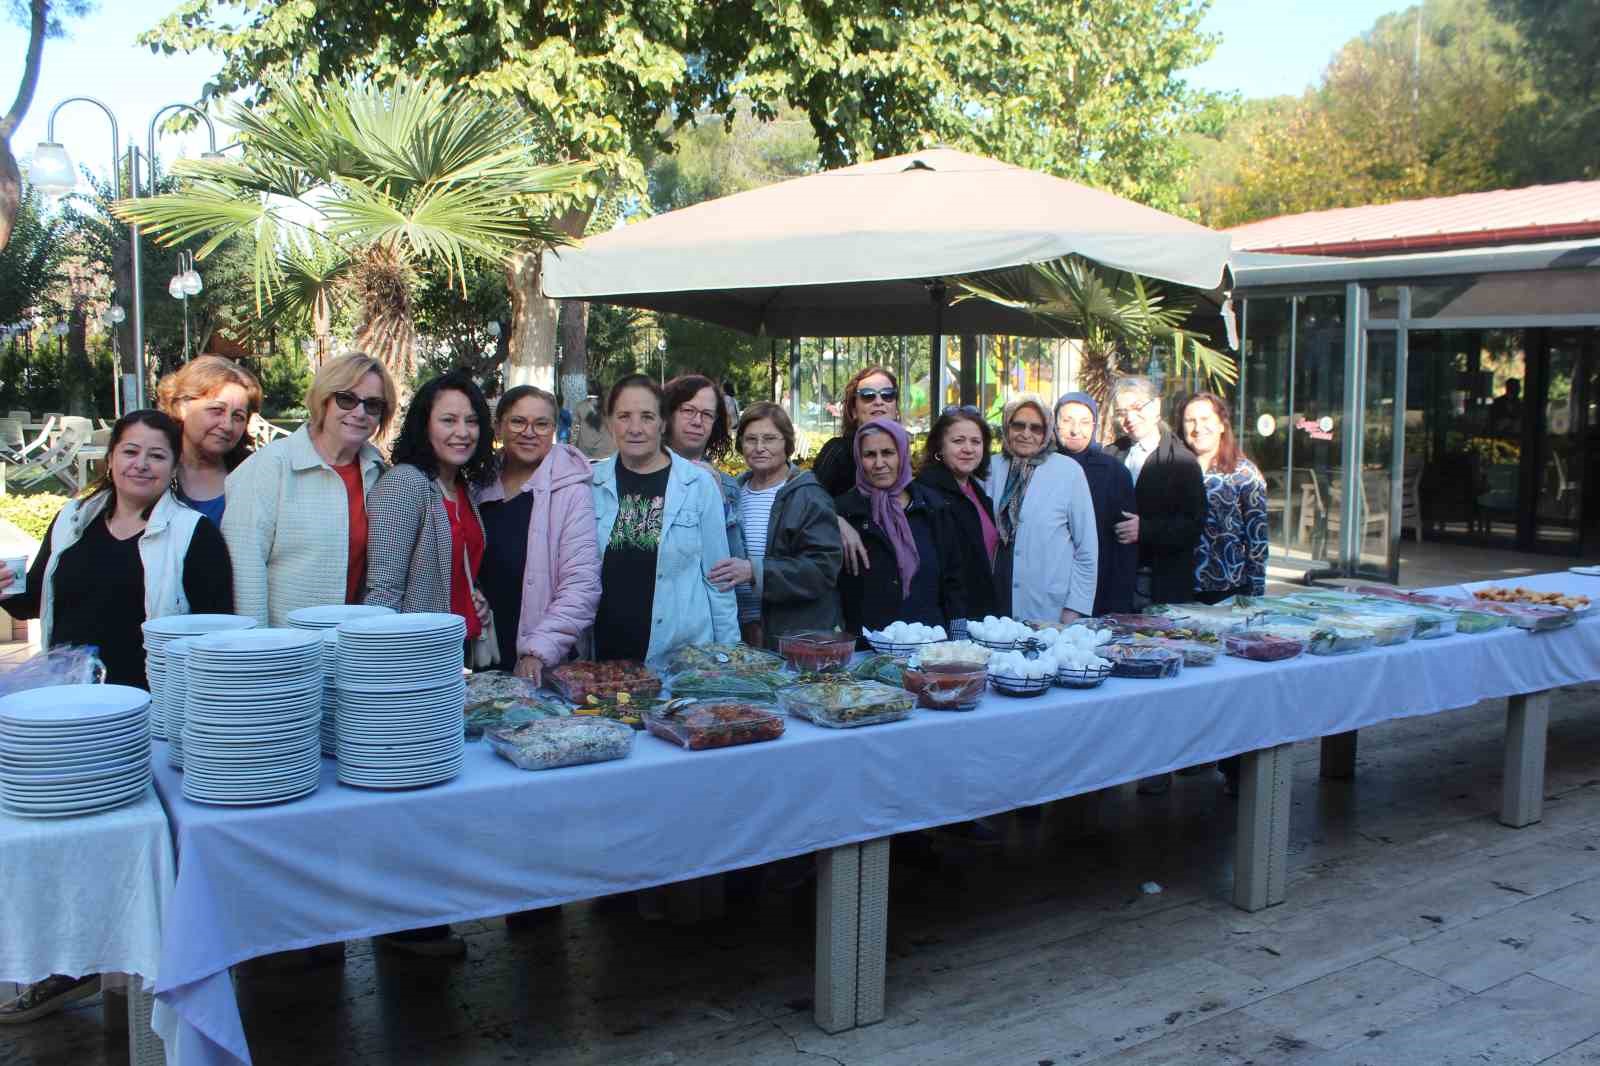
[409,566]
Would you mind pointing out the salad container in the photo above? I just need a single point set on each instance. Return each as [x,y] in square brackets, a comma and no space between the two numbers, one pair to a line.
[1142,661]
[845,704]
[947,686]
[577,681]
[817,650]
[701,724]
[1262,647]
[725,657]
[551,743]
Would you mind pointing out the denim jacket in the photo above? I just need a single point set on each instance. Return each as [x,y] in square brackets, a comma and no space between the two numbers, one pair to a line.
[694,538]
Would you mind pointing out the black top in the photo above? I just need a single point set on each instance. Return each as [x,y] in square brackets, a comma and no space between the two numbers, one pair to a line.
[874,598]
[505,558]
[977,575]
[1111,489]
[628,571]
[1171,493]
[835,465]
[99,593]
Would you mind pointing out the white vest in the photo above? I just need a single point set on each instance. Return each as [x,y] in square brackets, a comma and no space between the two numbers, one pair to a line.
[163,546]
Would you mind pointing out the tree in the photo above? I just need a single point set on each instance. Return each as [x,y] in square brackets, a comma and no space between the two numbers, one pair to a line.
[1083,90]
[43,19]
[415,179]
[28,263]
[1554,135]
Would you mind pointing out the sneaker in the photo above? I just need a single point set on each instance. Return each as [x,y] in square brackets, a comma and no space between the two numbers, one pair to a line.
[435,942]
[45,997]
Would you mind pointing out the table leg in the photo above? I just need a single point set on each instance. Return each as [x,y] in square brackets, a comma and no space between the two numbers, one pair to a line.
[1522,793]
[838,937]
[1339,756]
[872,947]
[1260,865]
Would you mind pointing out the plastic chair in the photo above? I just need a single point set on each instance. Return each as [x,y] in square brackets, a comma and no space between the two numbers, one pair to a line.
[59,461]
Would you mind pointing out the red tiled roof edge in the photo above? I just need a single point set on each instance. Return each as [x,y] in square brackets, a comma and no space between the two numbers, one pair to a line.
[1438,241]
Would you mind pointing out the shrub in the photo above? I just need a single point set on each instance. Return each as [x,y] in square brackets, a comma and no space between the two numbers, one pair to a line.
[31,513]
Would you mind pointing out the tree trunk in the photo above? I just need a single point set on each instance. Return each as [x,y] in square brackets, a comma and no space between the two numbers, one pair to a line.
[10,176]
[387,331]
[574,334]
[531,340]
[77,385]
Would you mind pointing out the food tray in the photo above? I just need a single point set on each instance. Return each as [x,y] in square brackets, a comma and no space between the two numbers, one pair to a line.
[510,712]
[623,708]
[737,658]
[1430,622]
[1519,596]
[1088,677]
[947,686]
[701,724]
[1021,686]
[1148,622]
[740,683]
[1390,624]
[1194,652]
[1142,661]
[1262,647]
[576,682]
[878,667]
[1529,616]
[551,743]
[1474,622]
[817,650]
[1341,639]
[496,686]
[845,704]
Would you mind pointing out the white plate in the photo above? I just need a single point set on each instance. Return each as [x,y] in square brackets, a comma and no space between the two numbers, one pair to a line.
[257,644]
[109,806]
[174,626]
[406,625]
[33,779]
[66,796]
[72,705]
[330,615]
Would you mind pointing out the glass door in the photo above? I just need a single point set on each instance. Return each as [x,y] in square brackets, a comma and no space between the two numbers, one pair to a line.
[1262,421]
[1316,466]
[1568,438]
[1379,502]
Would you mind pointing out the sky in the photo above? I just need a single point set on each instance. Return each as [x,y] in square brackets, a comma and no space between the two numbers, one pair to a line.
[1268,47]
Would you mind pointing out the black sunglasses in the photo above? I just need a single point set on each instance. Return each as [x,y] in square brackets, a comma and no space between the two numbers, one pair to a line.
[374,406]
[891,394]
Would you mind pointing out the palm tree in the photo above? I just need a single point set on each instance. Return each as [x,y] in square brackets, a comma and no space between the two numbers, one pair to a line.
[1119,316]
[351,190]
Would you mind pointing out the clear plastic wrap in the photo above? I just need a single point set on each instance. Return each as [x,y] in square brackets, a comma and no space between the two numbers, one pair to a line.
[844,703]
[66,664]
[619,708]
[511,711]
[889,669]
[1389,626]
[947,686]
[701,724]
[739,682]
[576,682]
[1194,652]
[817,650]
[1429,622]
[1142,661]
[1475,622]
[1262,647]
[552,743]
[724,657]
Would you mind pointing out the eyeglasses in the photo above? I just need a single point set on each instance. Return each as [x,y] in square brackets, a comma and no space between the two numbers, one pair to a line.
[1128,412]
[520,426]
[770,441]
[375,406]
[697,414]
[962,409]
[888,395]
[1035,429]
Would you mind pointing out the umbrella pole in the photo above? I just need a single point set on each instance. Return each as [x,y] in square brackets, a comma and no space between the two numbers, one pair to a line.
[936,291]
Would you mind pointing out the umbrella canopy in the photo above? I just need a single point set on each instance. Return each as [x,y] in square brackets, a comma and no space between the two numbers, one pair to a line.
[862,250]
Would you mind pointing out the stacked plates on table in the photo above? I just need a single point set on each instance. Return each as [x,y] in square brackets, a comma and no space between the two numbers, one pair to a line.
[158,633]
[251,717]
[330,692]
[175,690]
[73,749]
[401,694]
[334,615]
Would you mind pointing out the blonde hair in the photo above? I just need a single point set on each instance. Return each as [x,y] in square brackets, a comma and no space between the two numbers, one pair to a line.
[205,376]
[341,374]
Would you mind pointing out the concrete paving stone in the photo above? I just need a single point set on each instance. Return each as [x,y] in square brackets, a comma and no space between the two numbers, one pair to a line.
[1342,1007]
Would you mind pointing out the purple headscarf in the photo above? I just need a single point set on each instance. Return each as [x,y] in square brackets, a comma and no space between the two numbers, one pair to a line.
[886,509]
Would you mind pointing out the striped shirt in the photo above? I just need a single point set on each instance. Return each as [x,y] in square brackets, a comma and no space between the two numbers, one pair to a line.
[755,512]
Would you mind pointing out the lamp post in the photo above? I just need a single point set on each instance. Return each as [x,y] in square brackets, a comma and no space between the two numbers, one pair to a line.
[661,350]
[184,284]
[54,174]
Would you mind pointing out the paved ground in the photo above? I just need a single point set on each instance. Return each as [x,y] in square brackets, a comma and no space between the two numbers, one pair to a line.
[1417,931]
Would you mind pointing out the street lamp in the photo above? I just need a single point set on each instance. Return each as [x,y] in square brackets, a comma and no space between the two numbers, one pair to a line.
[184,284]
[661,349]
[112,317]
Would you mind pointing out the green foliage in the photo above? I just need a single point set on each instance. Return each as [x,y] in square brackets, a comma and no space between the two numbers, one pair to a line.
[28,263]
[31,512]
[1554,133]
[456,326]
[284,378]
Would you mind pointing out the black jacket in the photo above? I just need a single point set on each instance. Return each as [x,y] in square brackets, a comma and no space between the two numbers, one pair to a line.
[835,465]
[977,574]
[1111,488]
[1171,493]
[797,579]
[874,598]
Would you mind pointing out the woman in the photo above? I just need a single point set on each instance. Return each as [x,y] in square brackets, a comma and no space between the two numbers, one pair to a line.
[699,428]
[296,524]
[955,462]
[870,393]
[1231,558]
[425,534]
[213,399]
[124,552]
[660,528]
[1111,489]
[790,532]
[910,536]
[1045,568]
[541,569]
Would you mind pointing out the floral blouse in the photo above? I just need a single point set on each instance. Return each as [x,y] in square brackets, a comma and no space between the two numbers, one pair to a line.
[1232,552]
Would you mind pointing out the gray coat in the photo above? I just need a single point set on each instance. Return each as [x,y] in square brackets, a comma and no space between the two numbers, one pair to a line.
[797,580]
[409,564]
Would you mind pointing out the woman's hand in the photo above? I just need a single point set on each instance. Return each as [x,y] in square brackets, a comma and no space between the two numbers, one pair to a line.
[530,667]
[855,552]
[730,572]
[1128,529]
[480,607]
[8,576]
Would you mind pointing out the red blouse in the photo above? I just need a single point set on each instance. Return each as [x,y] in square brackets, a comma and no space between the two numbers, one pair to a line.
[466,539]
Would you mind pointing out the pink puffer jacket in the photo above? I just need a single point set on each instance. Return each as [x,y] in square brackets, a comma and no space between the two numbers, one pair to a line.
[561,582]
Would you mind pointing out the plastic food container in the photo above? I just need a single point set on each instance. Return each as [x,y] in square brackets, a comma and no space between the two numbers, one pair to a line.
[1008,685]
[889,669]
[702,724]
[725,657]
[622,708]
[947,686]
[1151,622]
[551,743]
[1341,639]
[745,683]
[1142,661]
[1429,622]
[510,712]
[844,704]
[817,650]
[1082,677]
[1194,652]
[578,681]
[1475,622]
[1389,625]
[1262,647]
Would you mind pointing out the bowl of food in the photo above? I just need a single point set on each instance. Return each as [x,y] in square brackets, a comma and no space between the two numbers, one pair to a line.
[947,686]
[904,638]
[816,651]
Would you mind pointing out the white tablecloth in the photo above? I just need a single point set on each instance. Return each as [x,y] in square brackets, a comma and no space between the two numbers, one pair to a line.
[346,863]
[86,895]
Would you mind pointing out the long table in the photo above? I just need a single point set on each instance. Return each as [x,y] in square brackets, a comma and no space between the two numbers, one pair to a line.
[346,863]
[86,895]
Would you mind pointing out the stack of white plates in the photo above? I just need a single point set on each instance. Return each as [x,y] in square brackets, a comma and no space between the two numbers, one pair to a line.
[330,692]
[251,717]
[73,749]
[401,694]
[174,691]
[160,632]
[328,617]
